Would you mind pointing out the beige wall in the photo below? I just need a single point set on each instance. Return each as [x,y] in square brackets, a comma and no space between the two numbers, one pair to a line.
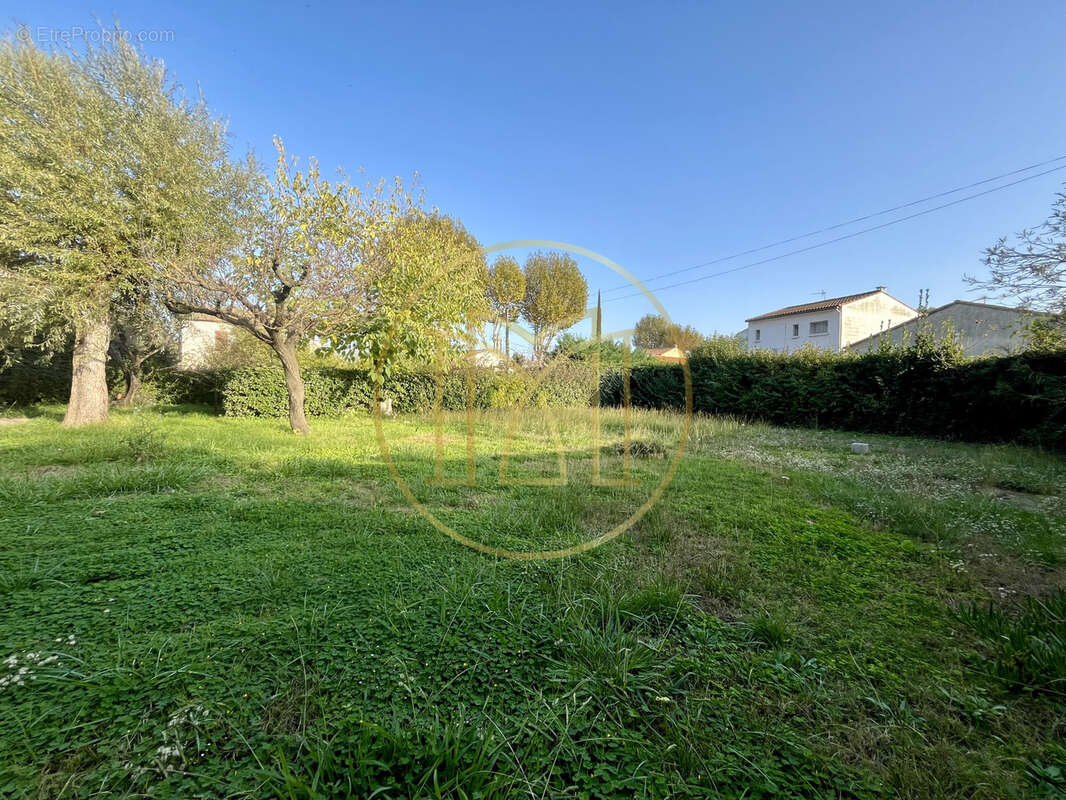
[198,338]
[979,328]
[872,314]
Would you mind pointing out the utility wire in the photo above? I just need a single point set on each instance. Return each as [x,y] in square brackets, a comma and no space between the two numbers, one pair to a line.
[863,218]
[845,236]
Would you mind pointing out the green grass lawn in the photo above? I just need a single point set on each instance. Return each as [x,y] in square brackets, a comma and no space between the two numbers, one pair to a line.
[202,606]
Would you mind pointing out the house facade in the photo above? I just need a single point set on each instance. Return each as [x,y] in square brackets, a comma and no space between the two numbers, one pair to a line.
[198,336]
[489,359]
[831,324]
[979,328]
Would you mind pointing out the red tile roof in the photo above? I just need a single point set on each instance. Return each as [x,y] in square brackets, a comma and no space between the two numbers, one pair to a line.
[660,353]
[828,304]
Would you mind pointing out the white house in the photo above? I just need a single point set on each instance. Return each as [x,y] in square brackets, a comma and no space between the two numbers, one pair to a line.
[830,324]
[980,329]
[491,359]
[199,335]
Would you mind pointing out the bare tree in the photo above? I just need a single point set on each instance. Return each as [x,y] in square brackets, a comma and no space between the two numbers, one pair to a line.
[1032,272]
[1033,269]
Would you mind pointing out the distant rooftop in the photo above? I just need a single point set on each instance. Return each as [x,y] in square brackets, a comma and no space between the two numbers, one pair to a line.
[828,304]
[660,353]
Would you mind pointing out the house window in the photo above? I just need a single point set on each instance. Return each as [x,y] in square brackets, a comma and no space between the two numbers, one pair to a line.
[822,326]
[758,334]
[795,330]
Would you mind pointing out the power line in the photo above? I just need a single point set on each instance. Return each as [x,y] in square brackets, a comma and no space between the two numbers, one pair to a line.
[863,218]
[847,235]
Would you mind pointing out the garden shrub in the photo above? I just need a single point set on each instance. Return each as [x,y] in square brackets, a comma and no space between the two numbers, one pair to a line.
[919,391]
[33,379]
[331,391]
[172,386]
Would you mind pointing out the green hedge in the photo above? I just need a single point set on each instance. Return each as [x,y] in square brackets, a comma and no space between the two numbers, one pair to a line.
[187,387]
[928,392]
[260,391]
[33,379]
[1019,398]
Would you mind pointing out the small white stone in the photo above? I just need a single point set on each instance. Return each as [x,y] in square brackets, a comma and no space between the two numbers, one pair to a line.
[862,448]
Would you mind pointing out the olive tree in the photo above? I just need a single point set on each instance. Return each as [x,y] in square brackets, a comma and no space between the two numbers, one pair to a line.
[143,328]
[100,151]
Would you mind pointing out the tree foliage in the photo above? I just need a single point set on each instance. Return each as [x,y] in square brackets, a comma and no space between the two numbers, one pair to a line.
[100,152]
[556,296]
[610,352]
[429,291]
[297,258]
[506,291]
[1031,271]
[653,331]
[143,329]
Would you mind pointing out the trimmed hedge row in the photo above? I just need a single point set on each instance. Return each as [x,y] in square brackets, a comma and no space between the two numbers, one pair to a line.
[187,387]
[260,391]
[36,381]
[1019,398]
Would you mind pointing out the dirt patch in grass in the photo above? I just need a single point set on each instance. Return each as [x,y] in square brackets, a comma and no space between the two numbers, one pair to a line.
[714,571]
[1027,501]
[637,448]
[6,422]
[1006,577]
[290,711]
[360,494]
[55,470]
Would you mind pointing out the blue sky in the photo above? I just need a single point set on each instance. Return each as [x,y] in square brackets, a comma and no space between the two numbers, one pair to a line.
[659,135]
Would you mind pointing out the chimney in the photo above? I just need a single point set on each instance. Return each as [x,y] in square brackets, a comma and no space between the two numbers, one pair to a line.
[881,288]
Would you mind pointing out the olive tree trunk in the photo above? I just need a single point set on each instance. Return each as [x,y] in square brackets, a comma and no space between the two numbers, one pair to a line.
[133,385]
[88,386]
[294,385]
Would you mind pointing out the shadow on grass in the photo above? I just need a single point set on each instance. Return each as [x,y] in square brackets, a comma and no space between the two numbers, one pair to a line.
[185,410]
[54,413]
